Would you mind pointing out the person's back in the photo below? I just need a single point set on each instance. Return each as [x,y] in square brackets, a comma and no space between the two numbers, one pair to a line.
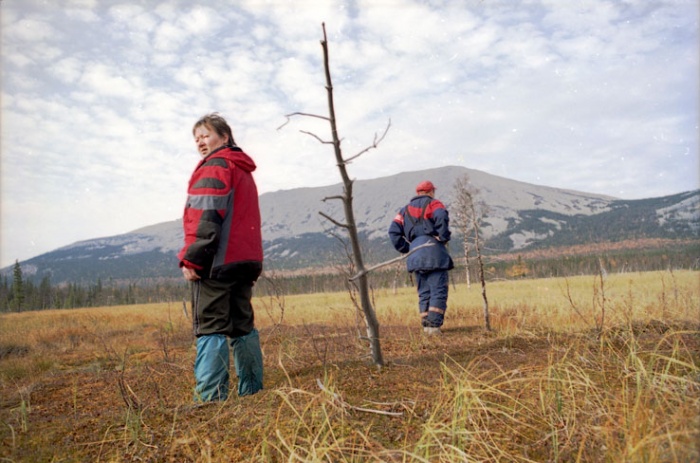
[425,220]
[422,229]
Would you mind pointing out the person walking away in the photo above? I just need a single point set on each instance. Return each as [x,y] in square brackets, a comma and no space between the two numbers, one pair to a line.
[425,221]
[222,257]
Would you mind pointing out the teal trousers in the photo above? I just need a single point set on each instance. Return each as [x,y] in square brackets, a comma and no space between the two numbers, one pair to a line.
[211,366]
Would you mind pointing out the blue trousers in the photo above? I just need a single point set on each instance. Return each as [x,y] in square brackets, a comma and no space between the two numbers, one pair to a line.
[212,364]
[432,296]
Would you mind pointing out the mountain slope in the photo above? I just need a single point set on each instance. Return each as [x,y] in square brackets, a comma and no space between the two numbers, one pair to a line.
[521,216]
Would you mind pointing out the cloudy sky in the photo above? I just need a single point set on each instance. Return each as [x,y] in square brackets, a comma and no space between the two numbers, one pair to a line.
[99,98]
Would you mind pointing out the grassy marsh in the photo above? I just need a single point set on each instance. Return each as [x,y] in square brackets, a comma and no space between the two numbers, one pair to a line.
[591,368]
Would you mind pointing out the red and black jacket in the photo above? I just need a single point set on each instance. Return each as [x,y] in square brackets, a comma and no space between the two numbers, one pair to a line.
[223,238]
[423,220]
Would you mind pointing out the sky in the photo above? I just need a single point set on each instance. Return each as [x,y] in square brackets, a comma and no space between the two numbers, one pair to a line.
[99,98]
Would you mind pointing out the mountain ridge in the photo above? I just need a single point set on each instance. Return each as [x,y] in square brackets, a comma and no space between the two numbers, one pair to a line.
[521,216]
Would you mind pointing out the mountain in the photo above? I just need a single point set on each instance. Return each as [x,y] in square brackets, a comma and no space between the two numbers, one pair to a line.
[521,216]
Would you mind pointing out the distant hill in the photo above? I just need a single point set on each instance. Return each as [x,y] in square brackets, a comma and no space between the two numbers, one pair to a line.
[521,217]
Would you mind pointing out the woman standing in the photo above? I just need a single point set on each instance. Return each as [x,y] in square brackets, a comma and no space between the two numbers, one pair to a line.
[222,257]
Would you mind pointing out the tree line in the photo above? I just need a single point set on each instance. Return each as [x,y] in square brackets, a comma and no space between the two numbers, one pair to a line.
[18,293]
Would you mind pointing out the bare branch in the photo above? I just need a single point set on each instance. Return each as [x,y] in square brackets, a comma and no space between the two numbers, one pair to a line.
[376,143]
[289,116]
[317,137]
[389,262]
[184,309]
[572,303]
[335,222]
[339,400]
[340,197]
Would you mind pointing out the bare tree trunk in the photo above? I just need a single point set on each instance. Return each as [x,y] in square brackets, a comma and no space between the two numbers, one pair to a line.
[395,284]
[466,262]
[477,245]
[350,224]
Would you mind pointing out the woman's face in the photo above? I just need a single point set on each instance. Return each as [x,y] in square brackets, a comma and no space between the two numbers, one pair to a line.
[207,140]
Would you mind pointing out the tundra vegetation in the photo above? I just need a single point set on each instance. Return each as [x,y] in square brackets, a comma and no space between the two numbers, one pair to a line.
[602,367]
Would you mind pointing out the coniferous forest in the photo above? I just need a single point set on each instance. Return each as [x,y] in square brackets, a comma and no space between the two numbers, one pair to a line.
[19,292]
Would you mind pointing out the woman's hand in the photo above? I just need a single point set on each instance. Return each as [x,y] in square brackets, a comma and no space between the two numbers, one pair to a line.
[190,274]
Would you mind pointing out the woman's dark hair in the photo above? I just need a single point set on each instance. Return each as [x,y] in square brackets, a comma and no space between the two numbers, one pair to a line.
[218,124]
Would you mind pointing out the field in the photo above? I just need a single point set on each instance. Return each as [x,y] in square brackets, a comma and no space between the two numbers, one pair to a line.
[589,369]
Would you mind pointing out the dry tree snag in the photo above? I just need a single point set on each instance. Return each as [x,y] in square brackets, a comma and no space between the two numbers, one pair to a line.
[349,224]
[469,215]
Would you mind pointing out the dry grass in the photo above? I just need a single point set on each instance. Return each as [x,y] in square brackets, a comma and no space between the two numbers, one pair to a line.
[584,369]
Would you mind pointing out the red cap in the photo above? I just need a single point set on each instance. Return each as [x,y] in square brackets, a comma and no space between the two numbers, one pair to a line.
[425,185]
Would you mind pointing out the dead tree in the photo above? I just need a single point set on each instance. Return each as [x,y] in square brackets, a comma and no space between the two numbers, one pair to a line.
[469,215]
[349,224]
[461,213]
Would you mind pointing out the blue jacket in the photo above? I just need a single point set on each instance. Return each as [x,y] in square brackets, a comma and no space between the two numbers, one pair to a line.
[423,220]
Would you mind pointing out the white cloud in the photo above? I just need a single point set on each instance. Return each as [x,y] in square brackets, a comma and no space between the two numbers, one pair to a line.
[98,99]
[80,5]
[31,30]
[106,80]
[68,69]
[202,20]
